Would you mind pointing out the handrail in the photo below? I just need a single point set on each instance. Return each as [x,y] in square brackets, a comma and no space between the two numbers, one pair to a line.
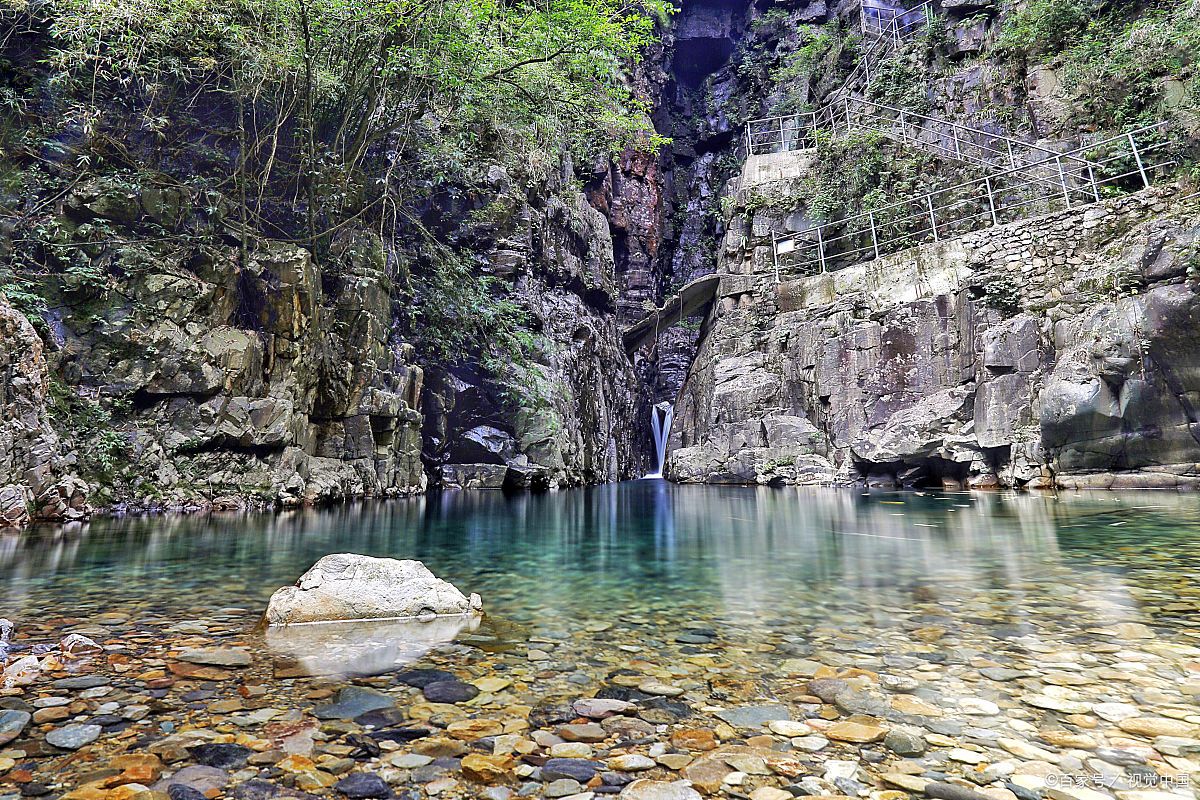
[827,234]
[999,175]
[959,126]
[988,155]
[880,43]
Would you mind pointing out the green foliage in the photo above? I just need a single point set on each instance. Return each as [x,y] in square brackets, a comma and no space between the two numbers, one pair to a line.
[1002,291]
[900,83]
[859,173]
[1114,59]
[777,19]
[359,70]
[24,296]
[315,115]
[1116,69]
[1041,27]
[819,51]
[87,421]
[455,312]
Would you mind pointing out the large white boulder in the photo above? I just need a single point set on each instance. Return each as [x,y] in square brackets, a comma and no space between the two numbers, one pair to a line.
[345,586]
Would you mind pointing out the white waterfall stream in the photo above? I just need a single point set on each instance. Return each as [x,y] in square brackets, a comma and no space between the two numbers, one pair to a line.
[661,417]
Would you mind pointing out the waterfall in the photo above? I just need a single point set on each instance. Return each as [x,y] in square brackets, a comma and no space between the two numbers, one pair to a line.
[661,417]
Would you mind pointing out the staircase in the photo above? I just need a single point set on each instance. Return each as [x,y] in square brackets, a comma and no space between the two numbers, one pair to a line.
[1019,178]
[883,30]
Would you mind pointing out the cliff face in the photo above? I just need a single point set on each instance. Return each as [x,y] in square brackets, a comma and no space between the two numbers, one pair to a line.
[36,480]
[574,416]
[187,360]
[210,380]
[222,381]
[1056,351]
[915,370]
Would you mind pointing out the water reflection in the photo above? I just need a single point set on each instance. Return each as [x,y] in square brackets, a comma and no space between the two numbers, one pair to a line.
[640,548]
[361,648]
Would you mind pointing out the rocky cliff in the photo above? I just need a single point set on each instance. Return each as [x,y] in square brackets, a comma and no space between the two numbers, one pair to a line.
[217,382]
[1059,351]
[574,416]
[191,379]
[190,353]
[36,480]
[197,353]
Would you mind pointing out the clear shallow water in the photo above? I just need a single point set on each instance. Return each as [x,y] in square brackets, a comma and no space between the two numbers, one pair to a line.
[994,622]
[728,554]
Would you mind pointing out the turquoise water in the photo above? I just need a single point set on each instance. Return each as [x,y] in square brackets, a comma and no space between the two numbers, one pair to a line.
[640,549]
[1007,617]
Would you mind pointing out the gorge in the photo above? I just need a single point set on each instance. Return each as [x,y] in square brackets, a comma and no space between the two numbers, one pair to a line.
[177,359]
[500,399]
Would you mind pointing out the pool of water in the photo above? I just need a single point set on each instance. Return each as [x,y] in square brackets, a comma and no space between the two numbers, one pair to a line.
[626,549]
[1019,631]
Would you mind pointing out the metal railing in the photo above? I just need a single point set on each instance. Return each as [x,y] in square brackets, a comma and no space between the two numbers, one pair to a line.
[940,136]
[953,140]
[876,21]
[883,30]
[1127,162]
[884,35]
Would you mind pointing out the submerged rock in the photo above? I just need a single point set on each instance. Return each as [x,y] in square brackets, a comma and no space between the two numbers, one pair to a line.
[353,701]
[73,737]
[12,722]
[345,586]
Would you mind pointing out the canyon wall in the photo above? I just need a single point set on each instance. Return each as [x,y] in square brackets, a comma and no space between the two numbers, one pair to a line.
[1062,350]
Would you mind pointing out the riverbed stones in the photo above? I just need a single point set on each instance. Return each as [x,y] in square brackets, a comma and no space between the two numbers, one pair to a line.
[563,787]
[226,756]
[904,742]
[12,723]
[961,723]
[659,790]
[451,692]
[701,739]
[471,729]
[347,586]
[810,744]
[353,701]
[200,778]
[602,708]
[216,656]
[578,769]
[789,728]
[73,737]
[589,732]
[1151,727]
[939,790]
[859,732]
[422,677]
[632,762]
[754,716]
[362,785]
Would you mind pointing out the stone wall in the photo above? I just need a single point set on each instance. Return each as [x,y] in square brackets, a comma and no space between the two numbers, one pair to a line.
[1059,350]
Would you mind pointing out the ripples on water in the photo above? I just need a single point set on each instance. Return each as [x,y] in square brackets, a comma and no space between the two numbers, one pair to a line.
[654,553]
